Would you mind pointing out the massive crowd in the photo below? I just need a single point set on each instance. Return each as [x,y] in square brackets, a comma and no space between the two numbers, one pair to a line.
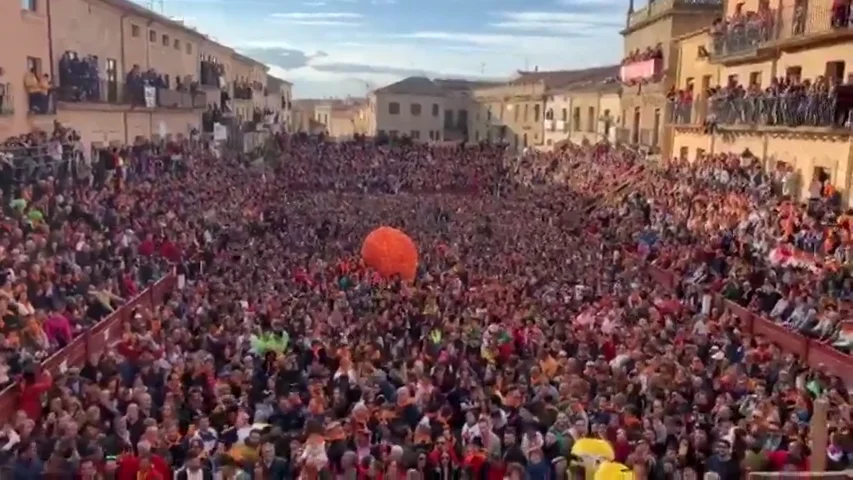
[532,323]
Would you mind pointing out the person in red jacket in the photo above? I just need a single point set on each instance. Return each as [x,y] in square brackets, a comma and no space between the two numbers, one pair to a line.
[145,466]
[33,388]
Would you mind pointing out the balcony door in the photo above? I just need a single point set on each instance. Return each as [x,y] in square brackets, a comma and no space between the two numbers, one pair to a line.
[112,81]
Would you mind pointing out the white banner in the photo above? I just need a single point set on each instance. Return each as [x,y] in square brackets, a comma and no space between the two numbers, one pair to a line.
[220,133]
[150,96]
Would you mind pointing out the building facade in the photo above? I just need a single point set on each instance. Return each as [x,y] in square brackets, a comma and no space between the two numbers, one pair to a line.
[413,107]
[24,46]
[110,69]
[648,69]
[807,136]
[277,102]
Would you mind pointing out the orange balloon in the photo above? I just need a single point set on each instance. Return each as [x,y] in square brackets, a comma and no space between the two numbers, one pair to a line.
[390,252]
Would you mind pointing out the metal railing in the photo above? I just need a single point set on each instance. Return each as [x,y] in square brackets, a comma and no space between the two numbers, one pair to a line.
[791,23]
[167,98]
[788,110]
[28,165]
[692,112]
[742,38]
[808,20]
[93,91]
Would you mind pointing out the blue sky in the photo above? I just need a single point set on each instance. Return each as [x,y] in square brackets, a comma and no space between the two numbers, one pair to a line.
[331,48]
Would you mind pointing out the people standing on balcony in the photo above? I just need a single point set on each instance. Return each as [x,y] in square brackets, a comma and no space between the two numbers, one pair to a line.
[79,79]
[841,13]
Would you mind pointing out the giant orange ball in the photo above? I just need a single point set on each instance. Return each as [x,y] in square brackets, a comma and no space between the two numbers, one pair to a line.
[390,252]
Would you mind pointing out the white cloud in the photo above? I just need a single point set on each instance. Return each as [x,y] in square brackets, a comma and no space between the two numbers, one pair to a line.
[314,4]
[316,15]
[557,23]
[485,39]
[321,23]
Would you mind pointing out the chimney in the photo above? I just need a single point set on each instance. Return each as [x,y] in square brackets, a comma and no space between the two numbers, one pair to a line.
[630,7]
[536,68]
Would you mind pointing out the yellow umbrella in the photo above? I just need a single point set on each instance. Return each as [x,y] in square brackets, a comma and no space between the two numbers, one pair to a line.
[613,471]
[595,448]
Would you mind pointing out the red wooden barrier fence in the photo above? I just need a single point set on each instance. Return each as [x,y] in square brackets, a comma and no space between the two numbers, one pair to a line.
[815,353]
[93,340]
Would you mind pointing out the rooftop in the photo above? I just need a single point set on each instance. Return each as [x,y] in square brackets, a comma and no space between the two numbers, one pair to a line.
[563,78]
[412,86]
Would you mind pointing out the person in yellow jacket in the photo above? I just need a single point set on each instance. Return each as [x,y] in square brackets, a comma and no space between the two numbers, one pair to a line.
[38,90]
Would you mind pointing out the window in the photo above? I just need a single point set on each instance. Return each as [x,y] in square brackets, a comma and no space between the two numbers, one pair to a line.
[189,48]
[394,133]
[29,5]
[381,133]
[431,135]
[755,78]
[525,139]
[656,129]
[448,119]
[536,112]
[706,84]
[576,119]
[435,110]
[489,114]
[152,36]
[793,74]
[477,136]
[688,84]
[733,80]
[590,119]
[177,44]
[835,70]
[415,108]
[394,108]
[462,120]
[564,114]
[165,40]
[34,65]
[517,112]
[134,30]
[525,112]
[700,154]
[683,152]
[416,134]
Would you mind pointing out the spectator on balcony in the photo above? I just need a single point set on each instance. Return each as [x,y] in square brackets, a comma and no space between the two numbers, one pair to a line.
[38,91]
[79,80]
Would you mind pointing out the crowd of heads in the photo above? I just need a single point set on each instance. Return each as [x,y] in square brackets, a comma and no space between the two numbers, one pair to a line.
[532,323]
[786,101]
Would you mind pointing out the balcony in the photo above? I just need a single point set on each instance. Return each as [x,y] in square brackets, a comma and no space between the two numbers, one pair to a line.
[640,70]
[687,112]
[180,100]
[548,125]
[798,26]
[743,38]
[792,26]
[243,91]
[211,74]
[85,90]
[658,8]
[820,110]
